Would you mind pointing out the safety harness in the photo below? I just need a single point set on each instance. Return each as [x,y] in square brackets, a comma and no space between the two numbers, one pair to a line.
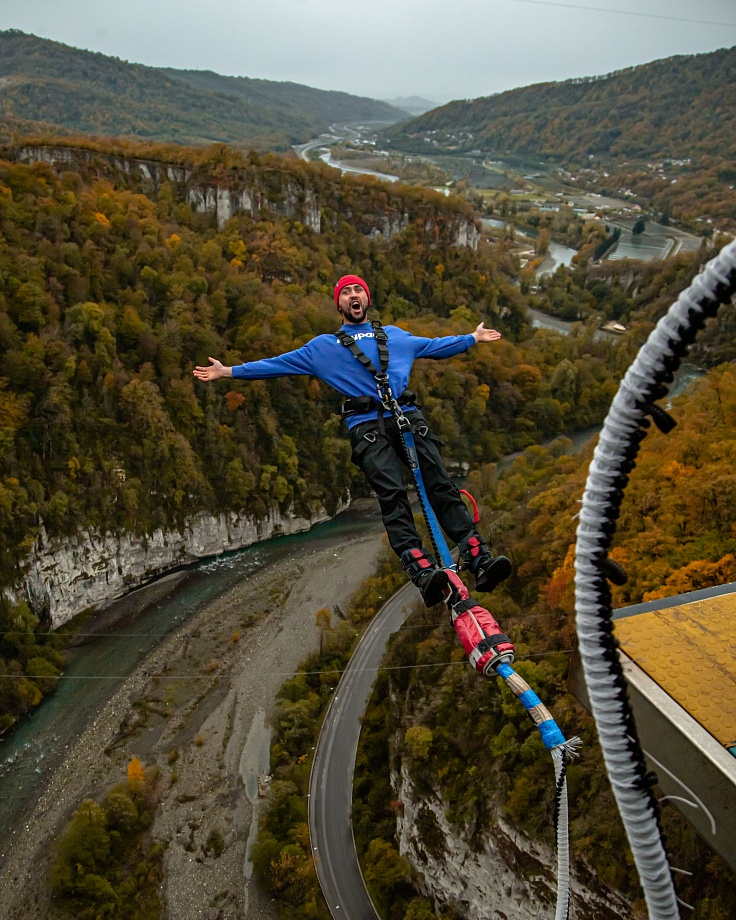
[355,405]
[386,401]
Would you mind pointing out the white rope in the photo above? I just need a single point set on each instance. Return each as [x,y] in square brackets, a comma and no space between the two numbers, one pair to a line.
[612,461]
[562,752]
[561,755]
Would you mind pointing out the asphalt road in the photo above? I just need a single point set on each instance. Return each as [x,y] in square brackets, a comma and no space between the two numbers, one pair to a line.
[331,780]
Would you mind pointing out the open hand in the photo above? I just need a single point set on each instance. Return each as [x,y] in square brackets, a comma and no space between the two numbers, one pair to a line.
[482,334]
[215,370]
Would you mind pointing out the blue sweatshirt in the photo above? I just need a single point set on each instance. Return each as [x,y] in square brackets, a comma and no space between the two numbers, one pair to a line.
[324,357]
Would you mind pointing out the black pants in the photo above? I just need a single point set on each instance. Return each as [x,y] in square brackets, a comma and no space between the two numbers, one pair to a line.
[381,456]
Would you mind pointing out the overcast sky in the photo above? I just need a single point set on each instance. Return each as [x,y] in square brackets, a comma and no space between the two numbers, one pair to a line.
[438,49]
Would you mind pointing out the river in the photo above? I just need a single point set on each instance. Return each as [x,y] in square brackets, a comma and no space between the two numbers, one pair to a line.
[326,157]
[96,669]
[324,143]
[557,254]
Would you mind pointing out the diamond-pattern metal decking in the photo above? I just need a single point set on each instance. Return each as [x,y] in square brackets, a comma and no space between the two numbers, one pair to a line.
[690,651]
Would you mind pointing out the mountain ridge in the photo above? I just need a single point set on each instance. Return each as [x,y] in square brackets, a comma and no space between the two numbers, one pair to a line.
[49,86]
[679,106]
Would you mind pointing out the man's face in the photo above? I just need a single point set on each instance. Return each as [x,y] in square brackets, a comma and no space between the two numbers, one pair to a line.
[352,302]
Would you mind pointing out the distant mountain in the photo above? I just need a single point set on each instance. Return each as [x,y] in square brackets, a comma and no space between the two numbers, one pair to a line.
[328,107]
[675,108]
[413,105]
[47,87]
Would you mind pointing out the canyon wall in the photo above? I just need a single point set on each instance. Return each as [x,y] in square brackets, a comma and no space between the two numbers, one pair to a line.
[507,877]
[287,192]
[64,577]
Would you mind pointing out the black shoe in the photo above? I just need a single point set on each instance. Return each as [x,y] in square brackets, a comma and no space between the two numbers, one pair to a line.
[423,570]
[491,571]
[432,584]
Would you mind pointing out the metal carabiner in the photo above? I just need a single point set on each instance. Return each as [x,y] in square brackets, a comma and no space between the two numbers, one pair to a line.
[387,399]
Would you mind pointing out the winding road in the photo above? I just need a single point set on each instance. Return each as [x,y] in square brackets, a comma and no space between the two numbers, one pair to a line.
[331,781]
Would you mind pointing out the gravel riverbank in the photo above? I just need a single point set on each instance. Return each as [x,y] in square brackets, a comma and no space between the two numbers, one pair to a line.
[189,709]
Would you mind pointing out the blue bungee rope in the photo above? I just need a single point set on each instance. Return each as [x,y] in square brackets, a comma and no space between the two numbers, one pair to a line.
[439,544]
[488,649]
[499,655]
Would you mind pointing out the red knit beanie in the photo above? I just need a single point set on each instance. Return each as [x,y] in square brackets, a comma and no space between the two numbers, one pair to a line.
[350,279]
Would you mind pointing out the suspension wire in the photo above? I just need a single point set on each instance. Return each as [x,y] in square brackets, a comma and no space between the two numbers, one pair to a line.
[200,675]
[646,381]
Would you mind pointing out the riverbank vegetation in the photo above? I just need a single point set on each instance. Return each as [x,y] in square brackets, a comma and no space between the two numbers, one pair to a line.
[479,752]
[105,863]
[31,660]
[634,293]
[282,857]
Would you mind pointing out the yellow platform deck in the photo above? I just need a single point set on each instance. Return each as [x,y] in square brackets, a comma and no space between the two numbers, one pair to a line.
[678,657]
[689,650]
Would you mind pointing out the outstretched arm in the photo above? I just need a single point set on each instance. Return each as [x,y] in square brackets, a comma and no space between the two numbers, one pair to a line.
[215,370]
[482,334]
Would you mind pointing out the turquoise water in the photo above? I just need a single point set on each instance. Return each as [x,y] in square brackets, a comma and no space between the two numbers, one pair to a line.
[96,669]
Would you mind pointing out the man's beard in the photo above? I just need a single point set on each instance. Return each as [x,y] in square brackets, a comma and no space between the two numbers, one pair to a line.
[350,317]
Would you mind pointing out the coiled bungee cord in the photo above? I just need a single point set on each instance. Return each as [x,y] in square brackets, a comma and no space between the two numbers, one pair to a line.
[646,381]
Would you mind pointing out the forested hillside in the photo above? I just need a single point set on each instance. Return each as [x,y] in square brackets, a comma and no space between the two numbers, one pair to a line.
[321,107]
[661,134]
[677,108]
[48,86]
[109,297]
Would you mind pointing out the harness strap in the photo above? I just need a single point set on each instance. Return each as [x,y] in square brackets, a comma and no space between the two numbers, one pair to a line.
[355,405]
[385,396]
[381,340]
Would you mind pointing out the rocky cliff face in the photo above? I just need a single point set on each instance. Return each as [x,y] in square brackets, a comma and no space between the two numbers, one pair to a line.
[286,193]
[510,878]
[63,578]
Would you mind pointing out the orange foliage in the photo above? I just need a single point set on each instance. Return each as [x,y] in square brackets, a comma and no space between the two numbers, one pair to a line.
[696,575]
[234,400]
[135,772]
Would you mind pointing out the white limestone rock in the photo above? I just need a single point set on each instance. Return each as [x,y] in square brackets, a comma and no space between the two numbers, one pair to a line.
[64,577]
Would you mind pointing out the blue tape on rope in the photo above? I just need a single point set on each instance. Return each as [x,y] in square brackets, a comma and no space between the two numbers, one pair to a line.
[552,737]
[529,699]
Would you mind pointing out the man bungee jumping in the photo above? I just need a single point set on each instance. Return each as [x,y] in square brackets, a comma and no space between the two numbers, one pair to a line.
[375,437]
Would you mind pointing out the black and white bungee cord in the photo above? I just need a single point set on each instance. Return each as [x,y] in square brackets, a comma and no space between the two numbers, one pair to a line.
[628,419]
